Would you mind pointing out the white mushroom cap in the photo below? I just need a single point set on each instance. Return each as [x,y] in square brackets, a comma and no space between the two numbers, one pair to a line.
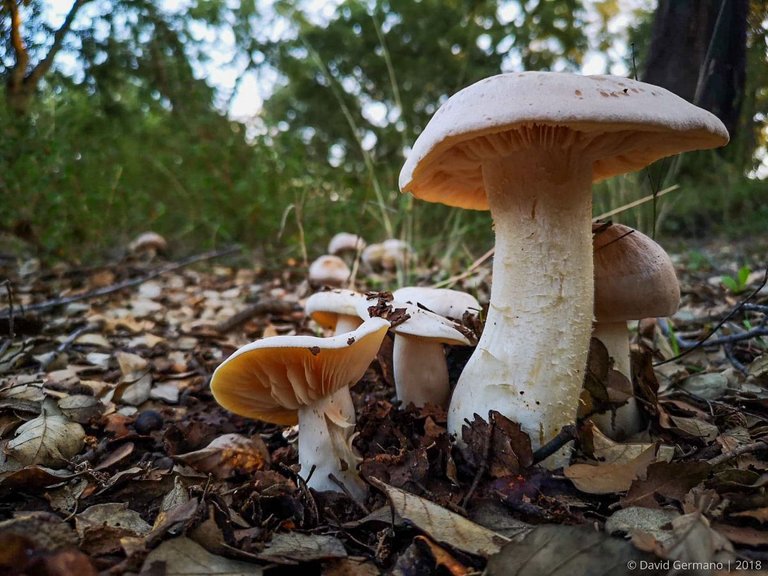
[330,270]
[424,324]
[345,242]
[442,301]
[271,379]
[634,276]
[622,124]
[326,307]
[148,241]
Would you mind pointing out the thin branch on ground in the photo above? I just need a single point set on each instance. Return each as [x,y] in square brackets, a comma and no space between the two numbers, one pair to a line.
[48,304]
[720,324]
[739,451]
[566,435]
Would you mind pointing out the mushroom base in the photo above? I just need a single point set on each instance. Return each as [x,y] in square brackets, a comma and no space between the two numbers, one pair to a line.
[325,442]
[529,363]
[627,419]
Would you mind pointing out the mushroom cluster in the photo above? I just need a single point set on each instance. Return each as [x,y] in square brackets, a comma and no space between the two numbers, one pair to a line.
[526,146]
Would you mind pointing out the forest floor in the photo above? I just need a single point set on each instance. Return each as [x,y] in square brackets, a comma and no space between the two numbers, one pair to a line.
[115,458]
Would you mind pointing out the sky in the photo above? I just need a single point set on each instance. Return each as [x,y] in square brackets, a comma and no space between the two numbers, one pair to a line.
[249,94]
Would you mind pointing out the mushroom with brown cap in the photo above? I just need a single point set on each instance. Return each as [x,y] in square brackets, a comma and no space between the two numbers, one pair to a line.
[634,279]
[528,146]
[418,355]
[285,379]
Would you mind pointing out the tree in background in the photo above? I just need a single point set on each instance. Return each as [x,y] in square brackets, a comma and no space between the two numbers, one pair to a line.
[698,50]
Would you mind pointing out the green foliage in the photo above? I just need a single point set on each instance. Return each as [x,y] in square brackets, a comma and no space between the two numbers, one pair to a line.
[737,284]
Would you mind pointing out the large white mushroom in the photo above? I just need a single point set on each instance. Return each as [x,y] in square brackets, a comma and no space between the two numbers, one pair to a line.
[528,146]
[304,379]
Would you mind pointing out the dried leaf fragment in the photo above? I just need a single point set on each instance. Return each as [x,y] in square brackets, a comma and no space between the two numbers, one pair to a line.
[48,440]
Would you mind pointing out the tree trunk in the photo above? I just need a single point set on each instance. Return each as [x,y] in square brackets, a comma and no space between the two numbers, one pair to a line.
[698,51]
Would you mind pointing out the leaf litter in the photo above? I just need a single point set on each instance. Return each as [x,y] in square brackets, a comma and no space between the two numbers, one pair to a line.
[115,458]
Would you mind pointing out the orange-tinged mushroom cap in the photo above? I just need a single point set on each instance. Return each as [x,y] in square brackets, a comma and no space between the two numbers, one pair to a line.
[271,379]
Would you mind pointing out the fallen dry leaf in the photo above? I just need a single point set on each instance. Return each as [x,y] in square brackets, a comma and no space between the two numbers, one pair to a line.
[442,525]
[48,440]
[183,557]
[567,551]
[228,455]
[609,478]
[665,479]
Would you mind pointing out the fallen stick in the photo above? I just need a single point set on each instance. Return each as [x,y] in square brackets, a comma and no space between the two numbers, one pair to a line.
[48,304]
[257,309]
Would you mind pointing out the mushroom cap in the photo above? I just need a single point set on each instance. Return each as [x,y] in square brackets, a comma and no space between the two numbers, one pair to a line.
[330,270]
[271,379]
[148,241]
[326,307]
[345,242]
[634,276]
[621,124]
[442,301]
[425,324]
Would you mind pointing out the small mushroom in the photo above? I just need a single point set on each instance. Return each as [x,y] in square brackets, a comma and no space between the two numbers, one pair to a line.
[346,243]
[418,356]
[337,310]
[528,146]
[304,379]
[387,256]
[149,244]
[634,279]
[329,271]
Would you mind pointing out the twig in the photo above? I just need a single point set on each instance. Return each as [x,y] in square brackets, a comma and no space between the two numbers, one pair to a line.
[340,484]
[48,304]
[11,334]
[728,349]
[68,341]
[567,434]
[738,451]
[483,463]
[723,340]
[727,317]
[305,492]
[259,308]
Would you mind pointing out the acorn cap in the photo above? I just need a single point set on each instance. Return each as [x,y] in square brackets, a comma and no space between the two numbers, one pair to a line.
[271,379]
[634,276]
[621,124]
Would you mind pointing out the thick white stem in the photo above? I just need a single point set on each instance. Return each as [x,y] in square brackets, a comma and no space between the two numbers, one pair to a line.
[529,363]
[421,371]
[627,420]
[325,441]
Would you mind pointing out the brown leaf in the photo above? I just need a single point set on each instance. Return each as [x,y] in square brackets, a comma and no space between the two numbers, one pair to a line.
[441,524]
[566,551]
[183,557]
[510,447]
[759,514]
[743,535]
[228,455]
[294,547]
[667,480]
[443,558]
[609,478]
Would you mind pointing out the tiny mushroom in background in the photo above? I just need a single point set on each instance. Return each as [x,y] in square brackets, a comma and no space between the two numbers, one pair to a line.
[387,256]
[149,244]
[336,310]
[329,271]
[528,146]
[634,279]
[418,356]
[304,379]
[346,243]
